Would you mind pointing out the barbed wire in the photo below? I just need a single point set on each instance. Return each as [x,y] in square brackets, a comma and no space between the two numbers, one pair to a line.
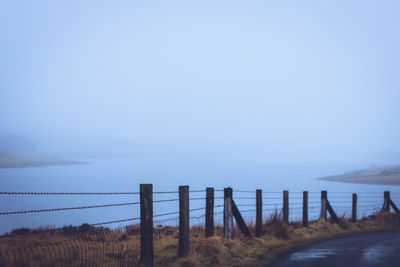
[177,212]
[165,200]
[175,192]
[336,195]
[116,221]
[374,198]
[248,210]
[69,193]
[196,191]
[202,208]
[197,198]
[71,208]
[367,201]
[368,206]
[166,214]
[339,201]
[365,192]
[156,201]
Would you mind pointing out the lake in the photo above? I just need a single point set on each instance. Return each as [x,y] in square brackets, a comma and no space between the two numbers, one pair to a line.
[125,175]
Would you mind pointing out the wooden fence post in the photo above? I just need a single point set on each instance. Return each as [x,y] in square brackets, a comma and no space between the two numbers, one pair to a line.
[183,221]
[354,208]
[209,211]
[146,225]
[305,208]
[258,212]
[228,214]
[286,206]
[324,197]
[386,201]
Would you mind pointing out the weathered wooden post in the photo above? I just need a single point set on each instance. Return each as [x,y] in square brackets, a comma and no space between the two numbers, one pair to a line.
[209,211]
[258,212]
[228,214]
[183,221]
[386,201]
[146,225]
[324,197]
[305,208]
[354,208]
[286,206]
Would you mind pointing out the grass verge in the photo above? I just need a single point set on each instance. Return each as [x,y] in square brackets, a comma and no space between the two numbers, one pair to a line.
[86,245]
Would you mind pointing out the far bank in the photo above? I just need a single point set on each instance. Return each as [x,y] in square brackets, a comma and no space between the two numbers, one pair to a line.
[389,175]
[22,160]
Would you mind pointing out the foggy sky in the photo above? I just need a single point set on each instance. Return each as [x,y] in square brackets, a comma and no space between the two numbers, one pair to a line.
[315,80]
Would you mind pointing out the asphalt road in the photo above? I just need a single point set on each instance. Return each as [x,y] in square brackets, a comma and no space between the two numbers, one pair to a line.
[361,250]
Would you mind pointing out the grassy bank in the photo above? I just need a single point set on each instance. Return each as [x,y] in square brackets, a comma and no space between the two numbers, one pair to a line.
[19,160]
[87,245]
[389,175]
[278,238]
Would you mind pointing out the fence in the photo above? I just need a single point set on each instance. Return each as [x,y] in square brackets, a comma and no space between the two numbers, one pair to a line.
[153,238]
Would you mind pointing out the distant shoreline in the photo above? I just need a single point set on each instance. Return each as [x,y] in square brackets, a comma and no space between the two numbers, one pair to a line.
[17,160]
[389,175]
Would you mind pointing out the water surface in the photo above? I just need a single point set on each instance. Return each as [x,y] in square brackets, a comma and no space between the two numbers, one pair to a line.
[125,175]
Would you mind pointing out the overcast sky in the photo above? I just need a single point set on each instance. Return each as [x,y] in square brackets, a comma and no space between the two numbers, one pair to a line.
[316,79]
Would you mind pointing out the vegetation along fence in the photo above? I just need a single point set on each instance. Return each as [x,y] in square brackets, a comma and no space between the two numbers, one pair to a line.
[153,238]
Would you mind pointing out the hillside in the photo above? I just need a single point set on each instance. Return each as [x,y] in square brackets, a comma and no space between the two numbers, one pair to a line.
[389,175]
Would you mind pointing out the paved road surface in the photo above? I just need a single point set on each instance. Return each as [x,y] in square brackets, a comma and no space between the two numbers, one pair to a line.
[361,250]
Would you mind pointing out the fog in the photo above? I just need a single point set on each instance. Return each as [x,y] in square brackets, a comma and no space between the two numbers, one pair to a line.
[276,80]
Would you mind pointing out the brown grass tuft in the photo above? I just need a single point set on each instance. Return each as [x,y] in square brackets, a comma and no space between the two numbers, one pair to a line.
[276,227]
[209,250]
[343,223]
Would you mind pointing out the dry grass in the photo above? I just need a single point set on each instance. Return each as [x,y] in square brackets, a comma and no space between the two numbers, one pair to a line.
[87,245]
[278,237]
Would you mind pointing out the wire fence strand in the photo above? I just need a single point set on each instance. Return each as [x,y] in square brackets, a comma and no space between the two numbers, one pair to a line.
[71,208]
[69,193]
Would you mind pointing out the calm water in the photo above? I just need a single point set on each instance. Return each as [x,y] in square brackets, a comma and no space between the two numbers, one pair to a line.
[121,175]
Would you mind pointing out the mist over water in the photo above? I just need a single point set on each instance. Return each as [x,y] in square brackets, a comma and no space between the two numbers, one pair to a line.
[248,95]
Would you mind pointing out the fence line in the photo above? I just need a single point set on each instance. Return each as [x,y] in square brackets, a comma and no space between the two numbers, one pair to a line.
[134,236]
